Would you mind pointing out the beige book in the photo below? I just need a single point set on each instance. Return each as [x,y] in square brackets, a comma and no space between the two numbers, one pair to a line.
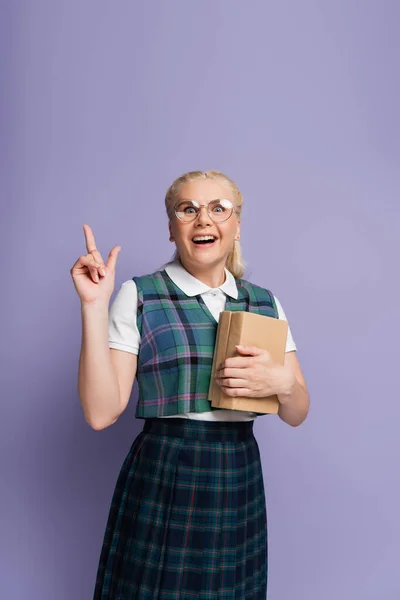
[247,329]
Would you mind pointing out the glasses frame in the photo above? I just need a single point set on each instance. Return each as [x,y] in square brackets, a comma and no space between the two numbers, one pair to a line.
[206,206]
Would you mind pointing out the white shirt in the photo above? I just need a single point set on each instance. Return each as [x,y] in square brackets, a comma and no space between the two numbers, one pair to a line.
[123,333]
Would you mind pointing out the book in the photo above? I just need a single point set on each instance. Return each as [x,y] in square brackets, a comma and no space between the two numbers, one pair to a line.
[247,329]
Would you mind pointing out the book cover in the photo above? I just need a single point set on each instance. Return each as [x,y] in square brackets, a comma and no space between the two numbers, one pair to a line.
[247,329]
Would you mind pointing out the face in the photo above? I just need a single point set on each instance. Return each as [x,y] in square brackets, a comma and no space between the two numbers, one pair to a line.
[225,233]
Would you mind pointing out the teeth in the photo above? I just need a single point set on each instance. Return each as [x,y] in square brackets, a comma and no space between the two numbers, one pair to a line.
[203,237]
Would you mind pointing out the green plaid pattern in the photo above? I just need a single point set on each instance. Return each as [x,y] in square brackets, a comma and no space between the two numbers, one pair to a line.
[178,335]
[188,516]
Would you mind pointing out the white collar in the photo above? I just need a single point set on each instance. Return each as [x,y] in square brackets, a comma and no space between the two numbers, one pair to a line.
[192,286]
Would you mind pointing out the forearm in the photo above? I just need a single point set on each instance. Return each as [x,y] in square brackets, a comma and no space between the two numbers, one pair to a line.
[98,386]
[294,404]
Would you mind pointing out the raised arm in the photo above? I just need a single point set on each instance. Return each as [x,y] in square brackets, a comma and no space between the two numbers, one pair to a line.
[105,376]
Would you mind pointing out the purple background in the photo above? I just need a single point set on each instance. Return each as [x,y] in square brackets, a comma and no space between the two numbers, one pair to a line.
[103,104]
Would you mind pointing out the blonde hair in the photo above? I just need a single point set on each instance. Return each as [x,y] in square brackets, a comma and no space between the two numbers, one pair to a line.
[234,263]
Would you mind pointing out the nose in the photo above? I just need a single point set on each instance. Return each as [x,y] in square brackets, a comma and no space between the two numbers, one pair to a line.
[203,218]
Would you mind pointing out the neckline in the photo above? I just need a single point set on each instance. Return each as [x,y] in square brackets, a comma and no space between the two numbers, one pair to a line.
[230,305]
[206,309]
[193,287]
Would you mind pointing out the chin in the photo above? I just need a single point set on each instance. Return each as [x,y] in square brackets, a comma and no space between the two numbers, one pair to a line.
[202,257]
[207,260]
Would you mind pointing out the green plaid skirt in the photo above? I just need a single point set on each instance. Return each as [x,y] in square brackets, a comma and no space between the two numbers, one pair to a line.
[188,516]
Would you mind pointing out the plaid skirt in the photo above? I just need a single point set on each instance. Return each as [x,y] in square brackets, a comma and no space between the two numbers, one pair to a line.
[188,516]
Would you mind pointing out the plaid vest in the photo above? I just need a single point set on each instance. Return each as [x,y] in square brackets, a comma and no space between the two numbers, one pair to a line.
[178,335]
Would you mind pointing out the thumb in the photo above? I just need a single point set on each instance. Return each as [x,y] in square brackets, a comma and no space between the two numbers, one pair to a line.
[112,257]
[251,350]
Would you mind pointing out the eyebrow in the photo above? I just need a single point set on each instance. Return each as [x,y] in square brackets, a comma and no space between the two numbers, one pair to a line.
[193,200]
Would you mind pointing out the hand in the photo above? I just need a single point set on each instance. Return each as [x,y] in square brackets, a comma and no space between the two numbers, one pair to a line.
[254,375]
[93,279]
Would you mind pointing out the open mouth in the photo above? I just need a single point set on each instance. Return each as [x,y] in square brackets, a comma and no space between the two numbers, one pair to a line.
[204,240]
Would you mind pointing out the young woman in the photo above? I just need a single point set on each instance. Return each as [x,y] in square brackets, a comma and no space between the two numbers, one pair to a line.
[188,515]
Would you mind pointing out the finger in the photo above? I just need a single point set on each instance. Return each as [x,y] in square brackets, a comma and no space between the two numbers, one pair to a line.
[237,362]
[230,372]
[251,350]
[84,264]
[233,382]
[85,261]
[93,268]
[99,260]
[243,392]
[112,257]
[89,238]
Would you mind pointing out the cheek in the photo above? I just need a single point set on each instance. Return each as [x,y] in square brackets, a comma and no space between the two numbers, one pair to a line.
[229,231]
[177,232]
[174,228]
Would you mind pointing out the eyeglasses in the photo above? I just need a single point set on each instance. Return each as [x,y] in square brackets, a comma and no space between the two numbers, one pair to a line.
[219,210]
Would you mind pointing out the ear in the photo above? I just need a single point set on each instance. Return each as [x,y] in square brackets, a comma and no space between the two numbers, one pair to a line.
[238,230]
[171,237]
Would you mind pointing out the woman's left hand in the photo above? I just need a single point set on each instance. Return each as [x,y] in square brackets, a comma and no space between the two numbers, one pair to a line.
[254,375]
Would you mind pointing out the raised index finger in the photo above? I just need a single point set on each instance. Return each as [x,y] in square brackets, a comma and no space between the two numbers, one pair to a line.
[89,237]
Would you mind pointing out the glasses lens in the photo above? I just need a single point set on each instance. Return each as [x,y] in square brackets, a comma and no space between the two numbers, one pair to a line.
[187,210]
[219,210]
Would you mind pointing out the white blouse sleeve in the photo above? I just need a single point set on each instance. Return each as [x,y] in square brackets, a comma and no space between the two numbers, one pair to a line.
[123,333]
[290,345]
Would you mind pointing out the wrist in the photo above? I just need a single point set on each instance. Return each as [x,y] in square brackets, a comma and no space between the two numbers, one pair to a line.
[288,383]
[97,307]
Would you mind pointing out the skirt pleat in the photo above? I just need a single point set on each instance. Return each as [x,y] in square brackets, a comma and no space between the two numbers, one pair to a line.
[188,516]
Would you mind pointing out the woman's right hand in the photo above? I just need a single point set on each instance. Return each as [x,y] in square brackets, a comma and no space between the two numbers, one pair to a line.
[94,280]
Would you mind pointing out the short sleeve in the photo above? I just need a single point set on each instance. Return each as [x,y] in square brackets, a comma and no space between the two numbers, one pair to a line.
[290,345]
[123,333]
